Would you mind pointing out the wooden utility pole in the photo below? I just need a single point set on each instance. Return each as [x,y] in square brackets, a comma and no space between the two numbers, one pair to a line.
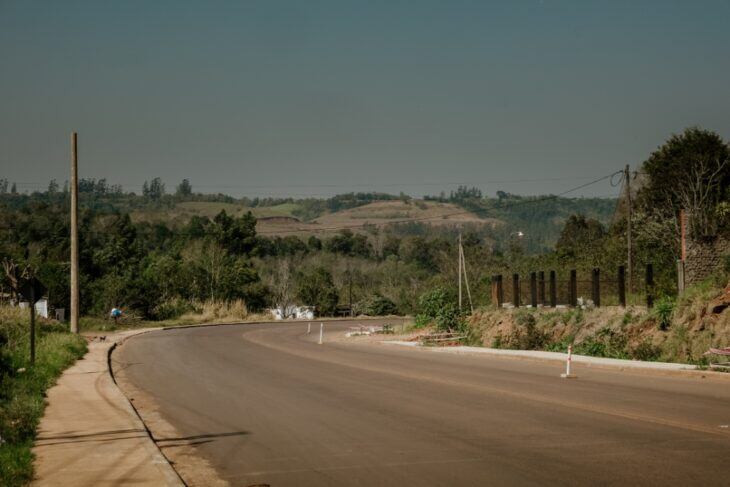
[74,236]
[466,277]
[629,273]
[32,324]
[460,267]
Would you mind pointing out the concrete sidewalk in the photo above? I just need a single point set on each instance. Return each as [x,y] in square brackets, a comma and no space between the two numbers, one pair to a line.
[91,436]
[554,356]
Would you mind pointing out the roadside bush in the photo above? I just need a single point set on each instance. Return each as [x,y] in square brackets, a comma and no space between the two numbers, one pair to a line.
[449,318]
[171,309]
[433,301]
[438,305]
[526,335]
[377,305]
[663,311]
[606,343]
[646,351]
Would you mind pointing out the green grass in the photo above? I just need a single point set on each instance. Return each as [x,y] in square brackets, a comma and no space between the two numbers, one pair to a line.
[22,392]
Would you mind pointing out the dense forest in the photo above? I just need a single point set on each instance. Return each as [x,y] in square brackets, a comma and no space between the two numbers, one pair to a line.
[158,270]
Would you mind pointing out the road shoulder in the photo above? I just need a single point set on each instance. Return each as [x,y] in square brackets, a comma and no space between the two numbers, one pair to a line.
[636,366]
[91,435]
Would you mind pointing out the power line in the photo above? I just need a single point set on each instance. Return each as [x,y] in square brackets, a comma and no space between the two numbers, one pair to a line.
[341,185]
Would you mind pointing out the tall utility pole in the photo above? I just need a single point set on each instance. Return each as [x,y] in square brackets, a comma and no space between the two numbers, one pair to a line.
[32,322]
[460,267]
[349,285]
[466,277]
[627,176]
[74,236]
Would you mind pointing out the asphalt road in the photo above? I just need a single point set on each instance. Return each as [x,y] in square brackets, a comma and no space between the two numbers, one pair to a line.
[276,408]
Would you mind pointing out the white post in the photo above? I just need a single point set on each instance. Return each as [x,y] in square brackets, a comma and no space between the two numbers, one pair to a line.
[321,332]
[309,328]
[567,374]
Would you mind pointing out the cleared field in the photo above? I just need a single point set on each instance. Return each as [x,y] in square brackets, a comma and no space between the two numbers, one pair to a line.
[380,212]
[279,219]
[377,213]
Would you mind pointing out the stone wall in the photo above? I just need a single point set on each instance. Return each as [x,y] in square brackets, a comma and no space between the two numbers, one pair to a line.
[704,257]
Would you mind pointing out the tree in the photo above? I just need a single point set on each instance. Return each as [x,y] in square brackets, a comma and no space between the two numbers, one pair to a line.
[281,284]
[314,243]
[237,235]
[348,243]
[316,288]
[579,236]
[691,171]
[184,189]
[154,190]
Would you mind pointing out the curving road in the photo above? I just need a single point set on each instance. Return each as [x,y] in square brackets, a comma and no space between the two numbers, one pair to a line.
[271,406]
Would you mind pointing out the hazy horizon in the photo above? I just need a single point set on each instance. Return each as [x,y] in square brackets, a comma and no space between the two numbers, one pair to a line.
[292,99]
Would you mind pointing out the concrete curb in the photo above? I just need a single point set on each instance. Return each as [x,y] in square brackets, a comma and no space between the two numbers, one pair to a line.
[91,434]
[665,368]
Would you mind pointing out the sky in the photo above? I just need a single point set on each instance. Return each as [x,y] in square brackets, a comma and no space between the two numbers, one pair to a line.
[315,98]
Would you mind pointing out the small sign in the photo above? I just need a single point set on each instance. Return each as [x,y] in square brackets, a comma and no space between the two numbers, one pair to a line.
[33,287]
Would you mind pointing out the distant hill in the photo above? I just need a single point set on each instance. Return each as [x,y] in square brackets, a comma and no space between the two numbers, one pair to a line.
[378,213]
[539,218]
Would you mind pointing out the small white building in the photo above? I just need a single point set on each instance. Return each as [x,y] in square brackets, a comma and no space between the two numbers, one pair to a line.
[41,307]
[296,312]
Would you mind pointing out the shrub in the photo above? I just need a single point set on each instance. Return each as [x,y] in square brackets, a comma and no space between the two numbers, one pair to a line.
[526,335]
[171,309]
[422,321]
[377,305]
[438,305]
[450,318]
[646,351]
[606,343]
[663,311]
[432,302]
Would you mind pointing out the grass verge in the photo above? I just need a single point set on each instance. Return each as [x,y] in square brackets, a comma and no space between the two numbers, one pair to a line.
[23,387]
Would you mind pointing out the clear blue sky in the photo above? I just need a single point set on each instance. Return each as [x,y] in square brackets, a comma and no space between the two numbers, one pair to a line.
[311,97]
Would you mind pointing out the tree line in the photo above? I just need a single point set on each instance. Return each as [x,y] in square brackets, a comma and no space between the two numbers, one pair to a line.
[155,269]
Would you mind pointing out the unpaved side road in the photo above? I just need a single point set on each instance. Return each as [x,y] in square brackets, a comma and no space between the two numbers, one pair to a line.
[265,404]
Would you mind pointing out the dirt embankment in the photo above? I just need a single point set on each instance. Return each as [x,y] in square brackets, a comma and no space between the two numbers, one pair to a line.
[680,333]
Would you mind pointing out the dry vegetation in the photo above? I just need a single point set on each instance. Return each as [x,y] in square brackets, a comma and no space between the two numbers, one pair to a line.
[631,333]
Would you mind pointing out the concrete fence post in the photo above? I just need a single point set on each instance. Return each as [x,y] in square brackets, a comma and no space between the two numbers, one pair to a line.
[621,286]
[649,286]
[500,291]
[573,288]
[533,289]
[596,286]
[553,290]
